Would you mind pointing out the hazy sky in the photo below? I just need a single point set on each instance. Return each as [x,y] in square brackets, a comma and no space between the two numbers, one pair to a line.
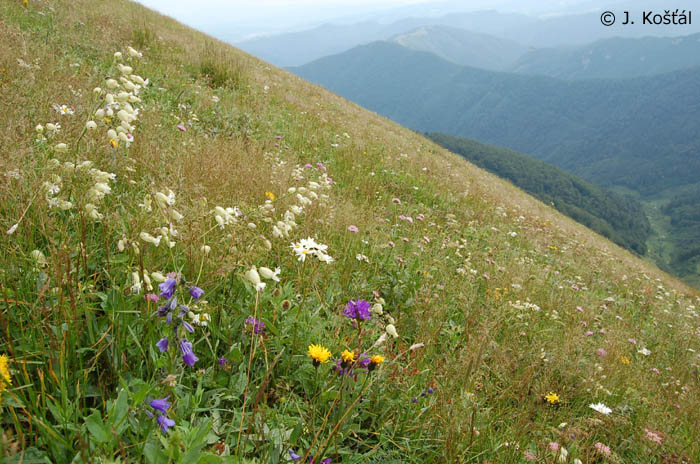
[249,17]
[237,19]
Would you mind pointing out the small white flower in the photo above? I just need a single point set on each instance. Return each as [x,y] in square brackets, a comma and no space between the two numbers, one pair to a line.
[177,217]
[146,237]
[91,125]
[39,128]
[269,274]
[39,258]
[380,341]
[391,330]
[600,407]
[563,454]
[377,308]
[134,53]
[157,276]
[137,286]
[64,110]
[205,249]
[254,278]
[644,351]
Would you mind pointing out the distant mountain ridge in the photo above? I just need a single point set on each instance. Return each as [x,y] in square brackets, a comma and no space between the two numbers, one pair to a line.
[298,48]
[612,58]
[639,133]
[463,47]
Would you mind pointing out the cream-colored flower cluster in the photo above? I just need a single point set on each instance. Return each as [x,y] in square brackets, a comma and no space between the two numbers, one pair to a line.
[89,186]
[305,197]
[120,111]
[166,233]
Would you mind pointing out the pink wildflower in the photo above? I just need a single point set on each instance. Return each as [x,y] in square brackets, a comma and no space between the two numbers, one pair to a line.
[353,229]
[653,436]
[602,449]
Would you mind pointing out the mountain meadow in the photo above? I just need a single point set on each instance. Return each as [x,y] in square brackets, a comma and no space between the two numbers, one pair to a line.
[206,259]
[636,135]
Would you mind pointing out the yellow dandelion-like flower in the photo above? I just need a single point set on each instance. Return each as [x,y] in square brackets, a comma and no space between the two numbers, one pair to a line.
[624,360]
[319,354]
[270,195]
[348,358]
[114,143]
[5,378]
[552,398]
[374,361]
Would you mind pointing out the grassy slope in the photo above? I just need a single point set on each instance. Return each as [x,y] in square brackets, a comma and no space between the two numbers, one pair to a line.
[81,343]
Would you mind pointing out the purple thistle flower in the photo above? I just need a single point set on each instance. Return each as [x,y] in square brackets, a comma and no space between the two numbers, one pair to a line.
[196,292]
[364,362]
[357,310]
[161,404]
[167,288]
[256,325]
[165,423]
[342,370]
[162,344]
[222,361]
[188,357]
[293,455]
[430,390]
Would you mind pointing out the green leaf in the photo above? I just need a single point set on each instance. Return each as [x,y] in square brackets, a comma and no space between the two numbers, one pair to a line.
[97,428]
[153,454]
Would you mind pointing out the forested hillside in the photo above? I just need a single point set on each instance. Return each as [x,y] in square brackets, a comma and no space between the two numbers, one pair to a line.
[621,219]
